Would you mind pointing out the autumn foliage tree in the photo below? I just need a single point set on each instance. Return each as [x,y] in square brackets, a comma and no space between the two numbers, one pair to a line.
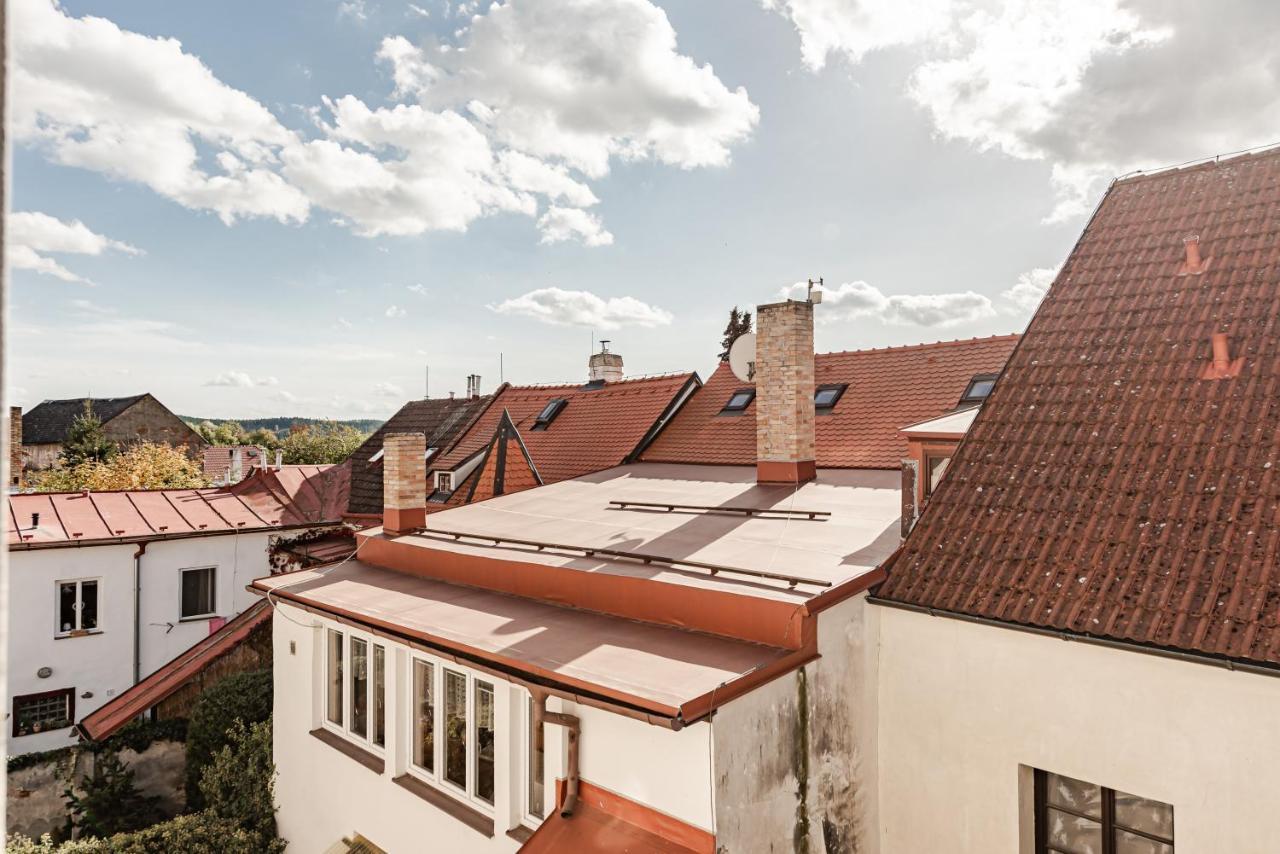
[142,466]
[318,444]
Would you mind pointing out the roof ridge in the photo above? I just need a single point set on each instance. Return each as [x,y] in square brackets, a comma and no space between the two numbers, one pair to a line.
[1136,175]
[611,384]
[1010,336]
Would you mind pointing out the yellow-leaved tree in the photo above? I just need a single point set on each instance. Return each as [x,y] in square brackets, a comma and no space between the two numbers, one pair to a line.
[142,466]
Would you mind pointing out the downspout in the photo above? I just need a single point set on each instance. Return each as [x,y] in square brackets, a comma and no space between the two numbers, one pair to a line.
[573,725]
[137,612]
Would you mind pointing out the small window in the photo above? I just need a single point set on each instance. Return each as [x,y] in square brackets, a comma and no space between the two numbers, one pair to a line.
[549,413]
[444,481]
[43,712]
[739,400]
[424,716]
[199,593]
[77,607]
[825,397]
[979,388]
[1075,816]
[935,466]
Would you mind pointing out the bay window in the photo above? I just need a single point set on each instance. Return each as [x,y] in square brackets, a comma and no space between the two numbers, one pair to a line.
[355,687]
[462,760]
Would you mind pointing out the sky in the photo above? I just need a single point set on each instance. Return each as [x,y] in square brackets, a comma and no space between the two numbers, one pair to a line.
[325,208]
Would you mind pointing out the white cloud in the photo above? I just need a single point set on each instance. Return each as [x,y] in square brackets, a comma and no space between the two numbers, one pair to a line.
[1094,88]
[1030,288]
[395,311]
[32,234]
[388,389]
[419,289]
[854,300]
[285,397]
[560,224]
[583,308]
[418,11]
[239,379]
[354,9]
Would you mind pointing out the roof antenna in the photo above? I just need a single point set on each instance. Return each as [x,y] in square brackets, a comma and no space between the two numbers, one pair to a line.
[502,375]
[426,382]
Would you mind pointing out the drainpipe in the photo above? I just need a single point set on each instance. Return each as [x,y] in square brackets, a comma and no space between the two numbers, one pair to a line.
[573,725]
[137,612]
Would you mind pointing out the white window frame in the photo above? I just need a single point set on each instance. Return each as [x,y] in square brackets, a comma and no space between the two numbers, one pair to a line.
[344,730]
[182,574]
[444,474]
[436,779]
[524,742]
[76,630]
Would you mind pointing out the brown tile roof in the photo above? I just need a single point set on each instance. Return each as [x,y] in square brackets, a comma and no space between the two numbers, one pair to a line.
[217,460]
[888,388]
[50,421]
[1105,488]
[441,419]
[599,426]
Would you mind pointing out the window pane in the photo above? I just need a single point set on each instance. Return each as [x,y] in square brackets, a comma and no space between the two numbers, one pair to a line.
[197,592]
[536,752]
[379,696]
[455,728]
[1131,843]
[67,607]
[88,605]
[980,389]
[1074,794]
[484,741]
[1145,815]
[41,714]
[360,687]
[424,716]
[1074,834]
[334,700]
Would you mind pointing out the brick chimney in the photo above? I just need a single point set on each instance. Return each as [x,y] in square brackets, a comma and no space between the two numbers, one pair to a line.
[604,366]
[15,446]
[404,483]
[784,393]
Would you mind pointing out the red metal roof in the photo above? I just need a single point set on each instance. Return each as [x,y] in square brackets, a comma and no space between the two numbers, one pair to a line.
[599,426]
[274,498]
[1105,488]
[888,388]
[605,822]
[117,712]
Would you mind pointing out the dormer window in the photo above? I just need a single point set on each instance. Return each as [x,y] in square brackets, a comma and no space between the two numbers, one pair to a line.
[979,388]
[825,396]
[739,401]
[444,488]
[549,413]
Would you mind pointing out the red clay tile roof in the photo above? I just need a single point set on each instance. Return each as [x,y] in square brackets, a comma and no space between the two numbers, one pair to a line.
[290,496]
[1105,488]
[599,427]
[888,388]
[115,713]
[217,460]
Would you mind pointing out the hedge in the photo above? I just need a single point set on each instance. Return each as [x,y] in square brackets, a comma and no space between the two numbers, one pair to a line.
[198,833]
[245,697]
[137,735]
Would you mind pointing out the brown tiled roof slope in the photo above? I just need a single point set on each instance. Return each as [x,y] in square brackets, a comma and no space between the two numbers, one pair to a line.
[599,427]
[888,389]
[1105,488]
[441,419]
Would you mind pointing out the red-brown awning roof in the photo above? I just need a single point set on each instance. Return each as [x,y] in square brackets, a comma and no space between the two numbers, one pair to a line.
[607,823]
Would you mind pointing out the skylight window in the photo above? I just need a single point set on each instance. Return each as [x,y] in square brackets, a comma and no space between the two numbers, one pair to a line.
[979,388]
[739,400]
[825,397]
[549,413]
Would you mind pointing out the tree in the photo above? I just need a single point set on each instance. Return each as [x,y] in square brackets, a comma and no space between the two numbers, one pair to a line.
[329,442]
[110,802]
[142,466]
[244,697]
[739,324]
[238,785]
[86,441]
[222,433]
[263,438]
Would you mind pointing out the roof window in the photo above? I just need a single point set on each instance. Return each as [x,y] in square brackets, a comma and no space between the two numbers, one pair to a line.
[979,388]
[549,413]
[825,396]
[739,400]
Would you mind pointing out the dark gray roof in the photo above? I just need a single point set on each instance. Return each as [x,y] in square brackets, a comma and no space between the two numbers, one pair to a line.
[49,423]
[442,420]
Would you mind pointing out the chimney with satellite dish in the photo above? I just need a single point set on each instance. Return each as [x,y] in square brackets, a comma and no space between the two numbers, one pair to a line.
[783,375]
[604,366]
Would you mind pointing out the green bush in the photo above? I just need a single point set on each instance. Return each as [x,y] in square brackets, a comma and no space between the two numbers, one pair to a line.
[245,697]
[109,801]
[137,735]
[239,783]
[198,833]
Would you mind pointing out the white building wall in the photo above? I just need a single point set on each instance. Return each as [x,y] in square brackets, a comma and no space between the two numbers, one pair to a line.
[100,665]
[324,795]
[966,710]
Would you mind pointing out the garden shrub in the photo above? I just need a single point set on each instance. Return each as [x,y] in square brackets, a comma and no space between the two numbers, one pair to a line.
[243,696]
[109,801]
[238,785]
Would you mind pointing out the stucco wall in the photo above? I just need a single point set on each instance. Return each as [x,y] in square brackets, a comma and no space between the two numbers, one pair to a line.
[964,707]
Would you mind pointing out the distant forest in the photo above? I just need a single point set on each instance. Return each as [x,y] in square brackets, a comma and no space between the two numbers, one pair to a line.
[280,426]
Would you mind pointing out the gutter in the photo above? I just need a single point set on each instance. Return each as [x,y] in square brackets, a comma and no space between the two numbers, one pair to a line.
[573,725]
[151,538]
[1093,640]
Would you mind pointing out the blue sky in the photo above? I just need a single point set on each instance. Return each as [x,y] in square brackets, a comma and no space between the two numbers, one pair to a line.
[305,203]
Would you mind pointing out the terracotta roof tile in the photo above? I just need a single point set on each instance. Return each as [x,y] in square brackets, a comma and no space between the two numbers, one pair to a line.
[888,388]
[1105,488]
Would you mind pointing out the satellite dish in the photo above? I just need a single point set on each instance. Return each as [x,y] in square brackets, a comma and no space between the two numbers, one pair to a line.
[742,357]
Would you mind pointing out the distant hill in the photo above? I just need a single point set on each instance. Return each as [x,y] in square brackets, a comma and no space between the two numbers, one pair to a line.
[283,423]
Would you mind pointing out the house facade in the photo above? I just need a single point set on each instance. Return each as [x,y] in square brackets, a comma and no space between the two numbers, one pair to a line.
[125,421]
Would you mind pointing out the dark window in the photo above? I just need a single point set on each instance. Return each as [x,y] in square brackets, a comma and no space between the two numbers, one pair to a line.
[198,593]
[43,712]
[549,413]
[824,399]
[77,607]
[1074,817]
[739,400]
[979,388]
[935,467]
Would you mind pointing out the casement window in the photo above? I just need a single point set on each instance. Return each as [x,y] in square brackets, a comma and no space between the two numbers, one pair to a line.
[935,466]
[43,712]
[444,481]
[1075,817]
[356,688]
[453,730]
[77,607]
[199,593]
